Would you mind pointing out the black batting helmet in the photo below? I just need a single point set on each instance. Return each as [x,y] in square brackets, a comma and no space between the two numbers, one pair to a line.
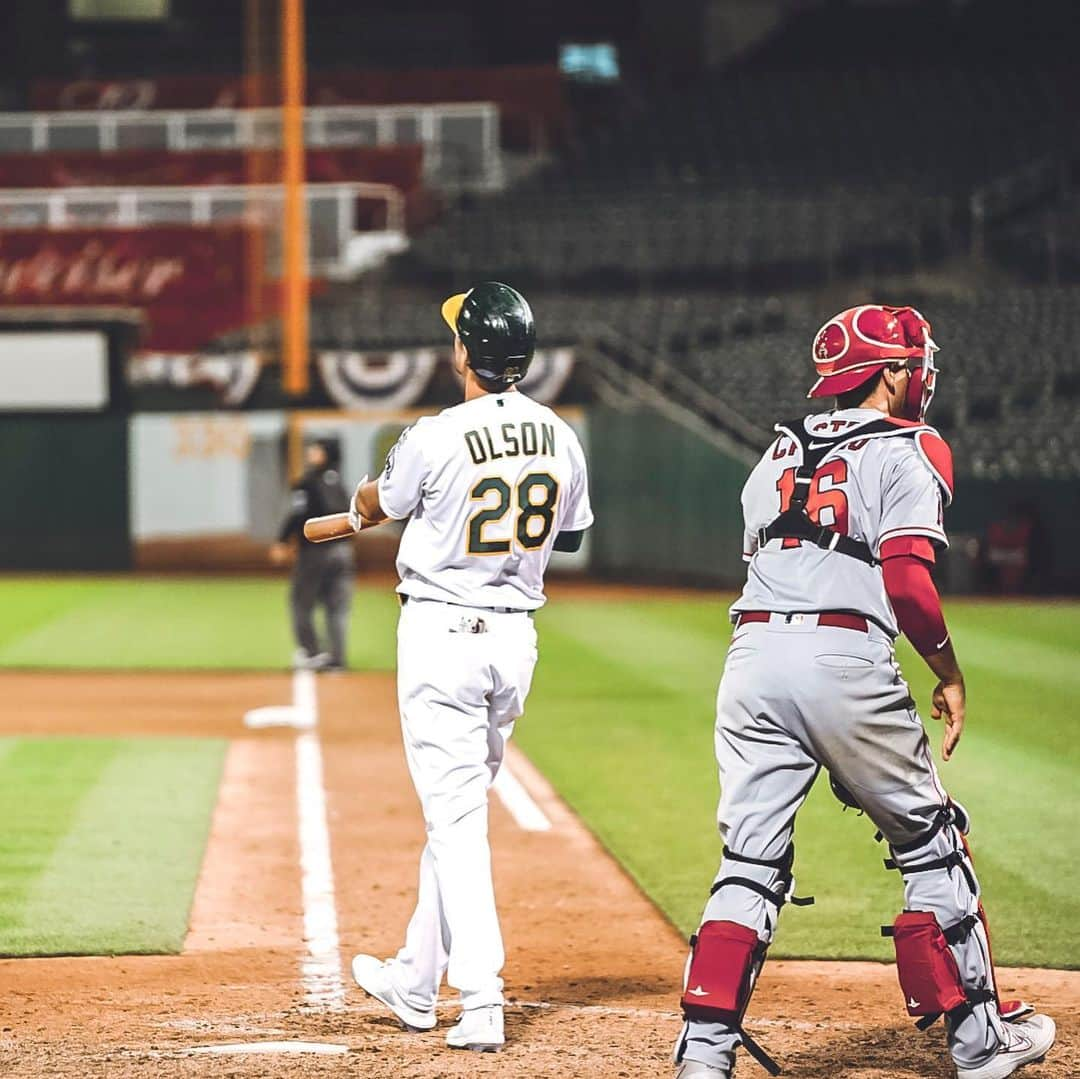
[495,324]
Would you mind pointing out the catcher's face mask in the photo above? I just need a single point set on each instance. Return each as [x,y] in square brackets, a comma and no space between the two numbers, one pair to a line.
[921,384]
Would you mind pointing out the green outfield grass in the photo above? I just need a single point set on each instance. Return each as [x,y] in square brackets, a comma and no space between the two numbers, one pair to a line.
[171,623]
[101,842]
[621,722]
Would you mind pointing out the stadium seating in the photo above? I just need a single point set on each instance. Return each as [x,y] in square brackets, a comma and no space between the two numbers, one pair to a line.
[758,178]
[1010,383]
[619,237]
[1044,245]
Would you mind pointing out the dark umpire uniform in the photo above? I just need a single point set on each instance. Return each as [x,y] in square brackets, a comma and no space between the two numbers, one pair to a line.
[323,572]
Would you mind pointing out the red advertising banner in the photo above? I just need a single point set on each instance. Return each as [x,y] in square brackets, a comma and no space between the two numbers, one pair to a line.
[161,92]
[190,281]
[529,97]
[399,166]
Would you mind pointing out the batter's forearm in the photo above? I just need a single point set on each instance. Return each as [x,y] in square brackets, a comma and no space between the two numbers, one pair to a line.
[366,503]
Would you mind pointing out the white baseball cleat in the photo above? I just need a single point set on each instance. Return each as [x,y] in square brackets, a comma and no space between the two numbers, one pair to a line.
[373,976]
[694,1069]
[479,1029]
[1026,1040]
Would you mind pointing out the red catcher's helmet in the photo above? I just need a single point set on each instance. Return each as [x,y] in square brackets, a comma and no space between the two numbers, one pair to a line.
[855,344]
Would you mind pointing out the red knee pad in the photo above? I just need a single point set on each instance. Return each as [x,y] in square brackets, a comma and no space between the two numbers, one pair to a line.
[724,964]
[929,976]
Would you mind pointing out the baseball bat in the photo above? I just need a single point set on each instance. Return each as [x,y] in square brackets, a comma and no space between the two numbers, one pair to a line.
[331,527]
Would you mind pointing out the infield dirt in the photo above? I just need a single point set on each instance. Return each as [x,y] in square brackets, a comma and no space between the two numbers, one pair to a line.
[592,967]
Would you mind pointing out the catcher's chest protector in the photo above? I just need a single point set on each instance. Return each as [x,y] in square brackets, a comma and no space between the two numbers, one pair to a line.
[794,522]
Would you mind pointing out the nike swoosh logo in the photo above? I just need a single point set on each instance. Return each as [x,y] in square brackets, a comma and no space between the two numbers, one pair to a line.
[697,991]
[818,445]
[942,644]
[913,1003]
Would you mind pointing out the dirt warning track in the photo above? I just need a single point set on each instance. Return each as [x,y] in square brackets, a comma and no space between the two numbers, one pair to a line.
[592,967]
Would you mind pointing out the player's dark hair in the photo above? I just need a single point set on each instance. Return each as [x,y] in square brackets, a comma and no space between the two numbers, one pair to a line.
[854,398]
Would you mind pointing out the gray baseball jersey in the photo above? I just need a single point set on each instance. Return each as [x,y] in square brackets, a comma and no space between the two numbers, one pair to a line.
[872,489]
[487,485]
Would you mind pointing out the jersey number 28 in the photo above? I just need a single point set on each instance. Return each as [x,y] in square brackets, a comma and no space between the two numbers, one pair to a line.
[536,497]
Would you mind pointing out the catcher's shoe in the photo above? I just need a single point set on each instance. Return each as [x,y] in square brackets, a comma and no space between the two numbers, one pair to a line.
[694,1069]
[1025,1040]
[480,1029]
[373,976]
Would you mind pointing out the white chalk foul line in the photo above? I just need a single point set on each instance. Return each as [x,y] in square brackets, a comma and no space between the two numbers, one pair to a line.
[519,802]
[321,967]
[270,1049]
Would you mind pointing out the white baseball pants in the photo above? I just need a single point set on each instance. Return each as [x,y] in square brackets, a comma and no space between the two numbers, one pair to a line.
[463,676]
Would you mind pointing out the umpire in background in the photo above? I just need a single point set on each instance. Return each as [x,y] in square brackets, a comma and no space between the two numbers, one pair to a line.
[323,572]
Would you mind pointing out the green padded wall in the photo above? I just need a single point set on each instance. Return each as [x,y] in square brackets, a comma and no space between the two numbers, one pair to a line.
[666,500]
[64,492]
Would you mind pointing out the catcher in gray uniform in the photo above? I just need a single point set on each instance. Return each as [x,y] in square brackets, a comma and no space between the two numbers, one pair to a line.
[843,521]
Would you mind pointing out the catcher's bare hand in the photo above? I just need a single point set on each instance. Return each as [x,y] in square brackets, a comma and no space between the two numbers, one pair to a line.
[949,705]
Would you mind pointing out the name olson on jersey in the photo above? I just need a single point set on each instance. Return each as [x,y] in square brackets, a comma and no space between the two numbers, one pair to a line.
[525,439]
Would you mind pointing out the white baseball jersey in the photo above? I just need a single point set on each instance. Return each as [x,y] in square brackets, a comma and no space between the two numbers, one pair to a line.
[487,486]
[872,489]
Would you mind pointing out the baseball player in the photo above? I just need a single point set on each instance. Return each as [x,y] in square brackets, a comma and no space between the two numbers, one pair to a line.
[489,488]
[322,574]
[843,518]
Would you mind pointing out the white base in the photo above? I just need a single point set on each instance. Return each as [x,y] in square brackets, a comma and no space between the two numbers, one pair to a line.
[279,715]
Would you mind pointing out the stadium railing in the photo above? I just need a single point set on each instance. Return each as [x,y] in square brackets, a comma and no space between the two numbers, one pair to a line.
[461,141]
[331,211]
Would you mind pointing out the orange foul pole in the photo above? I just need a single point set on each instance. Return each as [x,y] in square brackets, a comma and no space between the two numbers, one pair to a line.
[295,327]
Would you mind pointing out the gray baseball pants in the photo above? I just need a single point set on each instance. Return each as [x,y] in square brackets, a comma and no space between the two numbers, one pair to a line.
[796,697]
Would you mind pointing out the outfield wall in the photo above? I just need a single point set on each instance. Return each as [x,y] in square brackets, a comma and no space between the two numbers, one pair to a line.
[668,507]
[666,500]
[64,496]
[208,490]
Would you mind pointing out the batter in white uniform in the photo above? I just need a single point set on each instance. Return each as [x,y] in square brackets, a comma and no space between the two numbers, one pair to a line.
[489,488]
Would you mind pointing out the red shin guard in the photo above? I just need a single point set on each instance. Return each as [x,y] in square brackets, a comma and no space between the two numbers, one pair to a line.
[929,976]
[723,967]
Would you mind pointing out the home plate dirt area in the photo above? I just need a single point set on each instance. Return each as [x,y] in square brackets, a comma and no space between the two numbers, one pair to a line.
[592,967]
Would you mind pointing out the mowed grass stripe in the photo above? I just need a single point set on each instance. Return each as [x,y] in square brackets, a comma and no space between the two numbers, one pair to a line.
[1015,656]
[172,624]
[644,639]
[122,863]
[42,785]
[28,602]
